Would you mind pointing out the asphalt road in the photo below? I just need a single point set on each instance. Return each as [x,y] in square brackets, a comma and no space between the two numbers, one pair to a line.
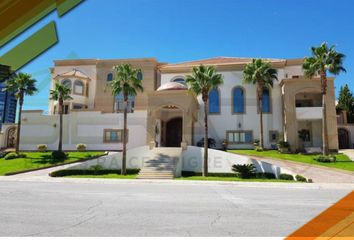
[134,208]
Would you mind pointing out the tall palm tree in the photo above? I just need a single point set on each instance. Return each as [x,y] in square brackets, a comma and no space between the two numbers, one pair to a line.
[21,84]
[60,93]
[126,82]
[263,75]
[324,60]
[202,80]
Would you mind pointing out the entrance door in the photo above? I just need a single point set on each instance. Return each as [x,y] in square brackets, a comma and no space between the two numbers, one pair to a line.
[174,132]
[343,138]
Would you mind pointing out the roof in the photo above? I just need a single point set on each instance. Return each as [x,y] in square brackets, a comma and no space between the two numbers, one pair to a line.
[74,73]
[172,86]
[219,61]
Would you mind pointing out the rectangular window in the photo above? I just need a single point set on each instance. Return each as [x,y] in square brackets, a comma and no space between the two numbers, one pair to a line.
[79,89]
[239,136]
[119,105]
[113,135]
[78,106]
[273,136]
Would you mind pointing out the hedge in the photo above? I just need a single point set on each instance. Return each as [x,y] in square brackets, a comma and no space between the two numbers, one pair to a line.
[70,172]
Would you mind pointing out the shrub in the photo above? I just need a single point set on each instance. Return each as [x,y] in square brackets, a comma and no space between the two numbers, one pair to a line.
[256,142]
[244,170]
[211,143]
[285,176]
[14,156]
[325,158]
[42,147]
[283,144]
[266,175]
[81,147]
[300,178]
[259,149]
[59,156]
[96,167]
[309,180]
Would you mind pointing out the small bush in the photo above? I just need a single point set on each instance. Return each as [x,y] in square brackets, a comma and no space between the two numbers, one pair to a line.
[285,176]
[81,147]
[325,158]
[244,170]
[309,180]
[256,142]
[14,156]
[300,178]
[42,147]
[259,149]
[59,156]
[283,144]
[96,167]
[266,175]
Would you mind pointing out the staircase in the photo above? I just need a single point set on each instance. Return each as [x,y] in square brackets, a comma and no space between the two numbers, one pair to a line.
[162,164]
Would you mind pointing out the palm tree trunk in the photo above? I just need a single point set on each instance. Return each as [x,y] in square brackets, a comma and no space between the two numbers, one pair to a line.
[61,109]
[261,142]
[324,114]
[19,125]
[205,165]
[124,158]
[260,107]
[324,126]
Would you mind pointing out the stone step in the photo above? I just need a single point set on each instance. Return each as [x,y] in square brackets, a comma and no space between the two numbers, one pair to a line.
[153,177]
[156,170]
[150,171]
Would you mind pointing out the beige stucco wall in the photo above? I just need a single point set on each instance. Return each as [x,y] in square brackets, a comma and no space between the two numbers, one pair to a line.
[80,127]
[291,87]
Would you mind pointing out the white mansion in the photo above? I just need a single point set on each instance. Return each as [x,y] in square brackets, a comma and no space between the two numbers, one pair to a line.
[168,113]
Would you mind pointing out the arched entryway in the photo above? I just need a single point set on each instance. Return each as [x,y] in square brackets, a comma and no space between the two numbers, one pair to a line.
[343,138]
[174,132]
[11,137]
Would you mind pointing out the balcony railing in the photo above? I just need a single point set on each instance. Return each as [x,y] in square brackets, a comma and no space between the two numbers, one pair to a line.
[308,113]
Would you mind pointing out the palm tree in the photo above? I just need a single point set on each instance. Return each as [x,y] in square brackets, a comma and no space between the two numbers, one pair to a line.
[60,93]
[324,60]
[263,75]
[202,80]
[126,82]
[21,84]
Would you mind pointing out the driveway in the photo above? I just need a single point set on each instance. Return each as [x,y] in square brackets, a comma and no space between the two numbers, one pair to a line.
[161,208]
[317,173]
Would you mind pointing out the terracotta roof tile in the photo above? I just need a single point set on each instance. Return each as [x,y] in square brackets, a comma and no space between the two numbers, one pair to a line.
[218,61]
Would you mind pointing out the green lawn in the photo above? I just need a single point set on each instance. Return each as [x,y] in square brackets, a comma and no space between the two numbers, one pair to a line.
[232,179]
[343,162]
[111,176]
[35,160]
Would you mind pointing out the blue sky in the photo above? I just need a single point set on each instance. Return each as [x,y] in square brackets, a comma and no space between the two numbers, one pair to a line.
[181,30]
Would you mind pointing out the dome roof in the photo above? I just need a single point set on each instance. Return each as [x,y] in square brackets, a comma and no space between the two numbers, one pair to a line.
[172,86]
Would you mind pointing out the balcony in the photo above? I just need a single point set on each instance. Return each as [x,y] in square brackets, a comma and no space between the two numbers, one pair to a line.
[308,113]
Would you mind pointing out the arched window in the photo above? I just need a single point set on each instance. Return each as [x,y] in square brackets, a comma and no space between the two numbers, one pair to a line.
[179,80]
[109,77]
[214,101]
[140,76]
[67,82]
[78,87]
[238,100]
[266,101]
